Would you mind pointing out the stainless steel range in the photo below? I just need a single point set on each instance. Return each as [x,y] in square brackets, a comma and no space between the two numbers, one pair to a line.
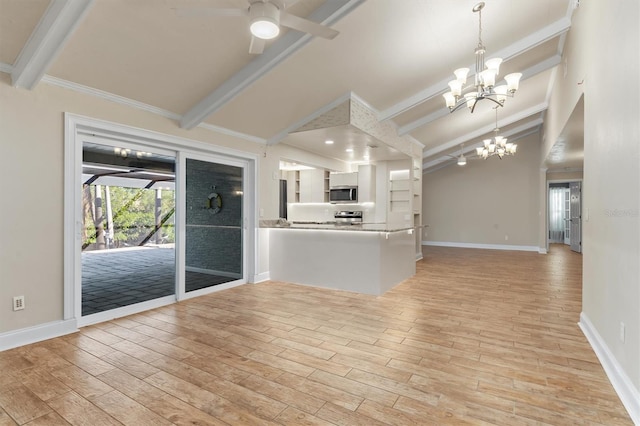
[348,217]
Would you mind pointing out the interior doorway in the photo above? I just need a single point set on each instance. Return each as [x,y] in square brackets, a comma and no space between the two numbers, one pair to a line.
[564,214]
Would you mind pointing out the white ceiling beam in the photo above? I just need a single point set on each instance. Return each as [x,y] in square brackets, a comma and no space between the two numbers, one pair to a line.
[443,112]
[48,38]
[529,128]
[521,115]
[329,13]
[547,33]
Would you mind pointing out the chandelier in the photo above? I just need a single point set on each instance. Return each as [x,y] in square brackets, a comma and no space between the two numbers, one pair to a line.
[496,146]
[485,78]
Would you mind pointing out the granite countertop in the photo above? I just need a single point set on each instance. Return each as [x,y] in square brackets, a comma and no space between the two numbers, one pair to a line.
[330,226]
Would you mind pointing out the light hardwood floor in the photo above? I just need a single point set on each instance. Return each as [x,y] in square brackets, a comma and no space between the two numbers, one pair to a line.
[476,337]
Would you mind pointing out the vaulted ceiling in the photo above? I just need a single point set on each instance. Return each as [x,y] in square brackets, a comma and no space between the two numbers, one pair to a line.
[394,55]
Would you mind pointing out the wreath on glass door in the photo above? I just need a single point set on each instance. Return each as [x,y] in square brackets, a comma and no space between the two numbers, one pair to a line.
[214,202]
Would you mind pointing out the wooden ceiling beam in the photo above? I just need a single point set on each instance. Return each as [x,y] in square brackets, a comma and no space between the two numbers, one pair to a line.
[328,14]
[521,46]
[47,40]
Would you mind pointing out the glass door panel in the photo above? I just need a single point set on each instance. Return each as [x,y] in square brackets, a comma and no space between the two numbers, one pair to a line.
[214,224]
[128,232]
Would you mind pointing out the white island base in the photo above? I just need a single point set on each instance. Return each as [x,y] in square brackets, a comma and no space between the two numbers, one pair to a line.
[369,262]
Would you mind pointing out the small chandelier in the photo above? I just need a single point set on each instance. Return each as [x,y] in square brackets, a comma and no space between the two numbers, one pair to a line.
[485,78]
[496,146]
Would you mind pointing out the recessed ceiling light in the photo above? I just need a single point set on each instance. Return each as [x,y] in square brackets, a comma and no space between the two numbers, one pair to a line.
[329,142]
[349,150]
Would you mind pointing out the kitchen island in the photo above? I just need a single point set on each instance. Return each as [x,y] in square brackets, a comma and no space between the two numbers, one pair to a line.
[364,258]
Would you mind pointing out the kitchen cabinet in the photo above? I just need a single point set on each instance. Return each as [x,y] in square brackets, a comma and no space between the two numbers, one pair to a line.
[343,179]
[367,183]
[312,186]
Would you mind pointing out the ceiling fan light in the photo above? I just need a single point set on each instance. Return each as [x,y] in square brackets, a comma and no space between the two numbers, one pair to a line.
[479,151]
[494,64]
[264,29]
[449,99]
[265,20]
[461,75]
[514,148]
[492,148]
[485,154]
[513,80]
[486,142]
[462,160]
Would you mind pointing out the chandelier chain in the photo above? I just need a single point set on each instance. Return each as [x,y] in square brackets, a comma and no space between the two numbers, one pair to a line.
[480,29]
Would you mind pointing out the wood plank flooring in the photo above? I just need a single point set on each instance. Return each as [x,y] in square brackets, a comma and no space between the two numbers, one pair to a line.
[475,337]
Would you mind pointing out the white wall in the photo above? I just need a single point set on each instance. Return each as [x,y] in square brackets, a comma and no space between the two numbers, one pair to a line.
[611,241]
[485,200]
[602,57]
[32,187]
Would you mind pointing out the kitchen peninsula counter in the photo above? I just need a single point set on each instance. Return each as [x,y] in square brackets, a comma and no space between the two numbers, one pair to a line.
[363,258]
[330,226]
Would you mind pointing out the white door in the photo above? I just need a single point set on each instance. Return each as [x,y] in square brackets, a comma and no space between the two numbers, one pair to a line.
[567,216]
[576,216]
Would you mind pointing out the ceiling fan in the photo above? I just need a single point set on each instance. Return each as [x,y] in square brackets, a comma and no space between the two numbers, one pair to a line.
[265,19]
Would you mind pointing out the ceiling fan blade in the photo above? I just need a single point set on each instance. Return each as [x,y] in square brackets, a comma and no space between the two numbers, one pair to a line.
[307,26]
[207,12]
[257,45]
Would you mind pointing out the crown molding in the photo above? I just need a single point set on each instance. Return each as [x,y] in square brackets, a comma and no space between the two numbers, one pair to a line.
[54,81]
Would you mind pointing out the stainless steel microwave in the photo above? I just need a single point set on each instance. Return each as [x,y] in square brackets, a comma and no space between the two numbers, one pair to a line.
[343,194]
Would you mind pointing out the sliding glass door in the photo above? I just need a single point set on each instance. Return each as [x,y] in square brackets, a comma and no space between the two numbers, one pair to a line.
[213,223]
[152,225]
[128,235]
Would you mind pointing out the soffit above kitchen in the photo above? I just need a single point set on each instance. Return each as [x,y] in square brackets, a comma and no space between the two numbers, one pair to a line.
[397,56]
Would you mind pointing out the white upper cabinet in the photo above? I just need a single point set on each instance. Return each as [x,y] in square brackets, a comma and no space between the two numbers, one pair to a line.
[343,179]
[312,186]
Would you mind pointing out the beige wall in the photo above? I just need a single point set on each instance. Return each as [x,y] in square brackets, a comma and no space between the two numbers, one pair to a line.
[565,176]
[31,179]
[485,200]
[611,208]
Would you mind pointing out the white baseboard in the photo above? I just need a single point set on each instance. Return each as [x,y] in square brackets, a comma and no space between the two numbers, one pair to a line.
[26,336]
[481,246]
[542,250]
[629,395]
[258,278]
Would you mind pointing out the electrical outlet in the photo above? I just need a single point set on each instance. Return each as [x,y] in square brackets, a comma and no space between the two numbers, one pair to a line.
[18,303]
[622,332]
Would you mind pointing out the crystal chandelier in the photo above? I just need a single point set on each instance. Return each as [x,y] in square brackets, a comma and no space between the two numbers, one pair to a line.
[485,78]
[496,146]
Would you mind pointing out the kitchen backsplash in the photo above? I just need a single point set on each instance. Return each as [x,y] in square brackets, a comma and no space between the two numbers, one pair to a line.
[323,212]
